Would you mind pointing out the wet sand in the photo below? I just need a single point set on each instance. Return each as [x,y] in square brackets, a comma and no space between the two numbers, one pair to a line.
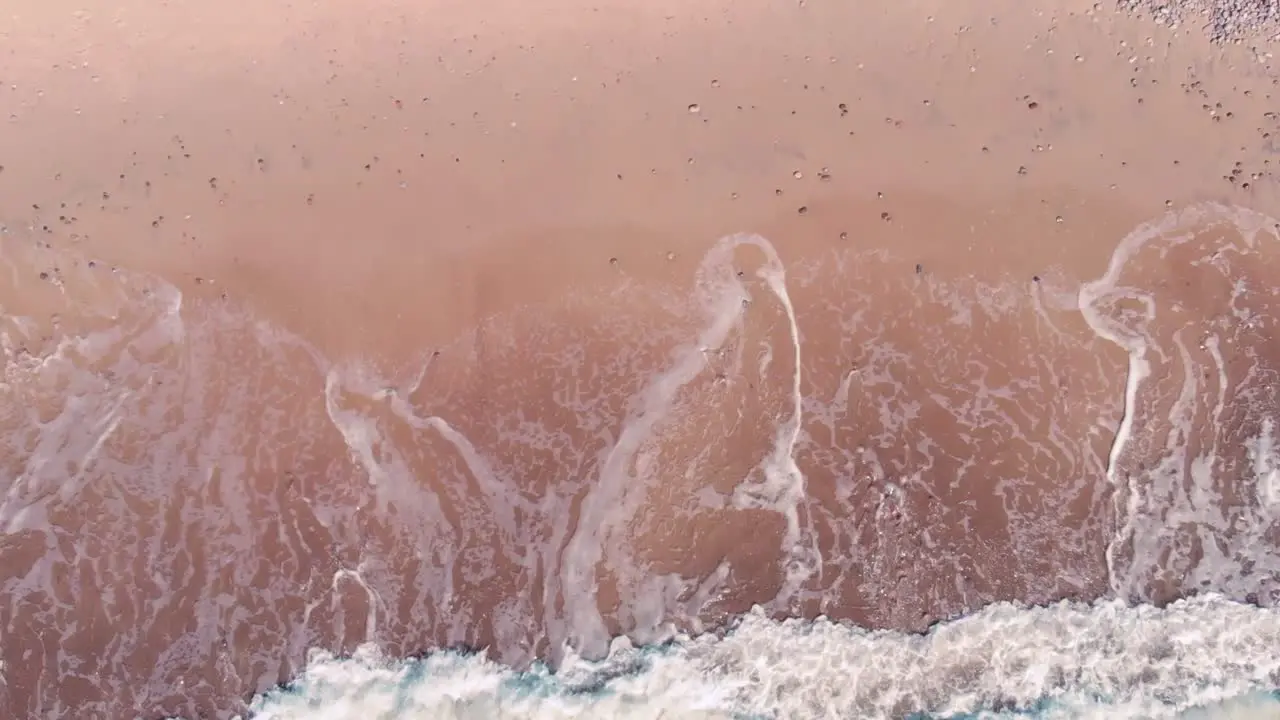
[462,358]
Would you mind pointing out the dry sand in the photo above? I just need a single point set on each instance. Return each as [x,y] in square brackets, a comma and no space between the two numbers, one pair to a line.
[498,181]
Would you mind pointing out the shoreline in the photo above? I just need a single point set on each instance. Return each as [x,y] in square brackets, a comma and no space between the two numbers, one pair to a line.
[705,677]
[453,273]
[268,183]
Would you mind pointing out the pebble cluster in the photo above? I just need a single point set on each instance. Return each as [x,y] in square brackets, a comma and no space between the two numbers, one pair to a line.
[1224,21]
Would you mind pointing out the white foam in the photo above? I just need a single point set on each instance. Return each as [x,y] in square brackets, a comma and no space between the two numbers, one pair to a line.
[783,485]
[1064,661]
[1205,658]
[1173,461]
[618,491]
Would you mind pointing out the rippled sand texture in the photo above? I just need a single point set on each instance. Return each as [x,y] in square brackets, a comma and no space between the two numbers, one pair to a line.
[525,326]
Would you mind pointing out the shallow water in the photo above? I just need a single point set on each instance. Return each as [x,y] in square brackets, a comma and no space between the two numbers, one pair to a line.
[196,499]
[1204,658]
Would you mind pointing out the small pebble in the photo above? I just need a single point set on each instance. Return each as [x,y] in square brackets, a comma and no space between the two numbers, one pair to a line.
[1223,21]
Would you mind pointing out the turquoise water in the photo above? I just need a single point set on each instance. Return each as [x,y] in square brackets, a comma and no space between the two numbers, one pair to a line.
[1201,658]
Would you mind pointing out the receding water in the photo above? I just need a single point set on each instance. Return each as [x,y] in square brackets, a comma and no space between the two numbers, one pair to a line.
[661,492]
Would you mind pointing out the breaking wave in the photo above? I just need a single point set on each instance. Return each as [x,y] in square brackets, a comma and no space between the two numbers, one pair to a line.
[1200,658]
[647,501]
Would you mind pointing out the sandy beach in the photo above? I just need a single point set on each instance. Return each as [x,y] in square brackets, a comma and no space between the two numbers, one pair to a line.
[510,325]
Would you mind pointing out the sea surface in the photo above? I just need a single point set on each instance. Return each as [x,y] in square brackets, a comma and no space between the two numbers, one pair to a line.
[1202,658]
[837,486]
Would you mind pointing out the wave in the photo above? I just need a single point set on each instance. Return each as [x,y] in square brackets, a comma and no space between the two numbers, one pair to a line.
[1205,657]
[194,497]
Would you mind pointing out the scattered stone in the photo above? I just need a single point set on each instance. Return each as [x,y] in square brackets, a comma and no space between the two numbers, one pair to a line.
[1223,21]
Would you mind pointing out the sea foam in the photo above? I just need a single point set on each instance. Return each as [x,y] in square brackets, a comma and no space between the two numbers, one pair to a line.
[1205,657]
